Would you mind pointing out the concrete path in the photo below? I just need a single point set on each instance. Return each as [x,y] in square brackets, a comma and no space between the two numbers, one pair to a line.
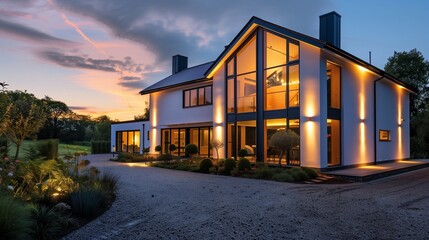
[158,203]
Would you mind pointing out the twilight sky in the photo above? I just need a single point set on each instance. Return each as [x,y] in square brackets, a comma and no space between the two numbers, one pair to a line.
[96,55]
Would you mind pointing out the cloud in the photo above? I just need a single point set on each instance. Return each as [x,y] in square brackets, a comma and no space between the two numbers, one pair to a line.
[190,27]
[132,82]
[85,62]
[29,33]
[78,108]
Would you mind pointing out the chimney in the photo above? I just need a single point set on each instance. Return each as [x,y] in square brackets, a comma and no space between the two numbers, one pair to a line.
[179,63]
[330,29]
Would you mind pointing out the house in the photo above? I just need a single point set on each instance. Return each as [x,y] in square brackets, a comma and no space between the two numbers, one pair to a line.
[346,111]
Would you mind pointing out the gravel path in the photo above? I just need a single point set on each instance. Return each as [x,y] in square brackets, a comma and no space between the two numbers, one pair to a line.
[156,203]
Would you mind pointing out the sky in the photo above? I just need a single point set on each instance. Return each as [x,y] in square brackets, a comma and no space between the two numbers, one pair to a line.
[96,55]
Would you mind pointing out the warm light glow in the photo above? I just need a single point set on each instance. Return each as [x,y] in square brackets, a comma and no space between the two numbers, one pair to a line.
[362,106]
[232,50]
[400,119]
[406,162]
[362,144]
[55,194]
[362,69]
[137,165]
[153,142]
[378,167]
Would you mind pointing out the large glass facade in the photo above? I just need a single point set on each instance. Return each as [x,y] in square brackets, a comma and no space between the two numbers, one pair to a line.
[291,157]
[128,141]
[180,137]
[241,83]
[279,64]
[281,73]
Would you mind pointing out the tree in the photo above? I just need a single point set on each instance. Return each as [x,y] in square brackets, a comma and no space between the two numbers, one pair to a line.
[3,85]
[102,128]
[145,116]
[412,68]
[56,112]
[284,140]
[23,118]
[216,144]
[420,139]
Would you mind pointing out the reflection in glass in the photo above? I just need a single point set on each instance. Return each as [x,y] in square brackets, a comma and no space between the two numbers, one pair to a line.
[246,93]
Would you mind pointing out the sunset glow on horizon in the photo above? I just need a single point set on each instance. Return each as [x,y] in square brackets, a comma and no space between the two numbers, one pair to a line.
[97,55]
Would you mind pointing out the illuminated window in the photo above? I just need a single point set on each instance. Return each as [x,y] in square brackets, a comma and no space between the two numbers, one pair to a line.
[281,74]
[128,141]
[384,135]
[333,75]
[197,97]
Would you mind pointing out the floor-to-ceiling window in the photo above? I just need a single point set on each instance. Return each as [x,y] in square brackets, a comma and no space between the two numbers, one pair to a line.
[333,76]
[128,141]
[180,137]
[278,100]
[292,156]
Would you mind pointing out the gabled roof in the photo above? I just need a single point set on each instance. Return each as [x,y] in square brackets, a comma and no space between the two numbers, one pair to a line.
[186,76]
[205,71]
[255,22]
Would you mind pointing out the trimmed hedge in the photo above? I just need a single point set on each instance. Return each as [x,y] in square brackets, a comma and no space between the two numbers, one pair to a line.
[100,147]
[4,147]
[48,149]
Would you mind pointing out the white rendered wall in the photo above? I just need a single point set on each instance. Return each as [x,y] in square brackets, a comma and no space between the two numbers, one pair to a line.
[357,120]
[167,112]
[131,126]
[219,125]
[310,135]
[393,115]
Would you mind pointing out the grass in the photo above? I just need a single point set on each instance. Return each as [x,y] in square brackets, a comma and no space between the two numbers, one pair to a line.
[63,149]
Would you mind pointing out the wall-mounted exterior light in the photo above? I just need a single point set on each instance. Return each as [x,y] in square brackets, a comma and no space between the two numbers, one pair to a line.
[309,119]
[362,120]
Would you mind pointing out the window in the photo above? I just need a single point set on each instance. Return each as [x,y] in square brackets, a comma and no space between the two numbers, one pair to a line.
[281,73]
[200,136]
[333,75]
[384,135]
[241,89]
[197,97]
[128,141]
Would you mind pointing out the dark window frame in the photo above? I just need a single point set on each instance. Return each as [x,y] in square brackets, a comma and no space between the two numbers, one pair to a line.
[198,89]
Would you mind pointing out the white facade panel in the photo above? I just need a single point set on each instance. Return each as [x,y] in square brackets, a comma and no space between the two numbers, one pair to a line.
[142,126]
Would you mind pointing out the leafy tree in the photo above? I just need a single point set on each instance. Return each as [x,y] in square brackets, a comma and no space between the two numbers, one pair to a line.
[102,128]
[284,140]
[145,116]
[74,127]
[420,139]
[56,112]
[23,118]
[216,144]
[3,85]
[412,68]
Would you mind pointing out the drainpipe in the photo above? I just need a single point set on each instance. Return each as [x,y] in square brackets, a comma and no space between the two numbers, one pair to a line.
[375,119]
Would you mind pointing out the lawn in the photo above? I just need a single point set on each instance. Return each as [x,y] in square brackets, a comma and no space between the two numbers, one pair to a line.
[63,149]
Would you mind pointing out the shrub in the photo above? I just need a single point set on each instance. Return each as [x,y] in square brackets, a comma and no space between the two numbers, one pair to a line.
[191,149]
[310,172]
[265,172]
[15,221]
[158,148]
[47,222]
[244,164]
[98,147]
[298,174]
[86,202]
[228,165]
[48,149]
[172,147]
[283,176]
[4,147]
[242,153]
[165,157]
[109,183]
[205,165]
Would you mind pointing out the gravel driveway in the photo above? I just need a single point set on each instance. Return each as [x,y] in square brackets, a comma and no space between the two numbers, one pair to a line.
[156,203]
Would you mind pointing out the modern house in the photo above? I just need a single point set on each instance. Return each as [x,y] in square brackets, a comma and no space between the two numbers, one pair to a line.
[346,111]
